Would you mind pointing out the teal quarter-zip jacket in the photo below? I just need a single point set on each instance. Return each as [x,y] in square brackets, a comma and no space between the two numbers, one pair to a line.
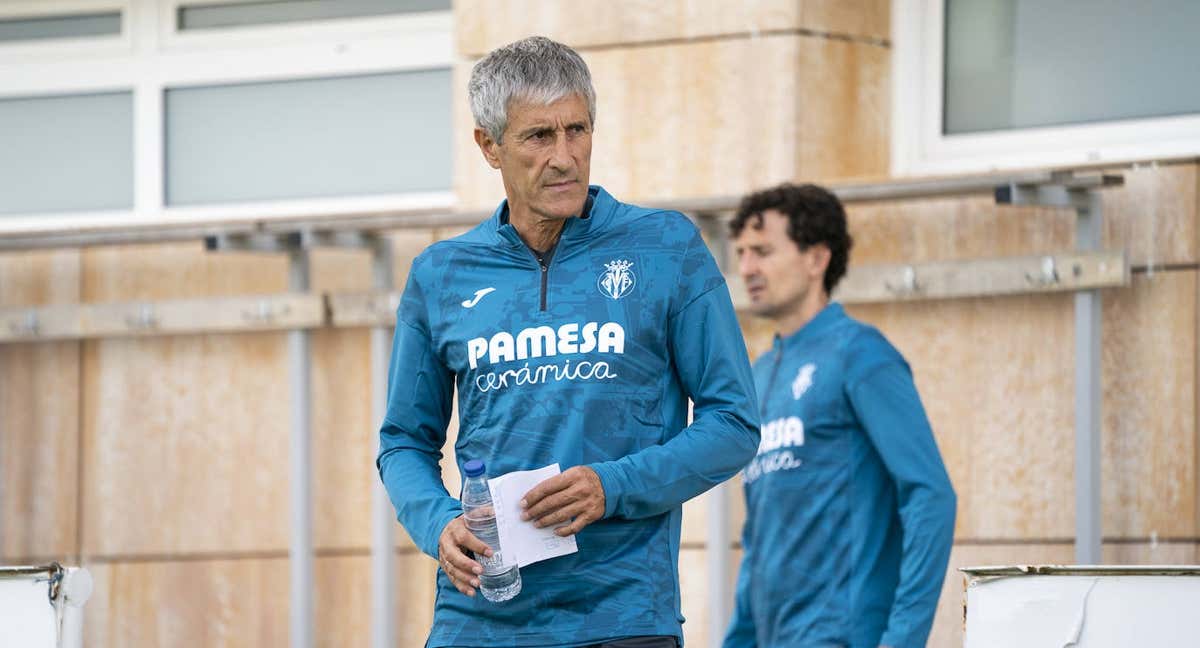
[587,358]
[849,510]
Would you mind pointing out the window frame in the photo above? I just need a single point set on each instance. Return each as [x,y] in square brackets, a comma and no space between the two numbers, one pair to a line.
[152,56]
[919,147]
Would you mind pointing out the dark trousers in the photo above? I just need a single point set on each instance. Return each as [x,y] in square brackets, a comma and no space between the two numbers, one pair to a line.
[639,642]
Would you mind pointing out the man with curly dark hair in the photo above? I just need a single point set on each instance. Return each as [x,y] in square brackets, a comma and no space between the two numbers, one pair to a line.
[849,510]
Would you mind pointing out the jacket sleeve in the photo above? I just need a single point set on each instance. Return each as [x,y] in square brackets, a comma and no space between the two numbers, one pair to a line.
[709,357]
[889,408]
[741,632]
[420,393]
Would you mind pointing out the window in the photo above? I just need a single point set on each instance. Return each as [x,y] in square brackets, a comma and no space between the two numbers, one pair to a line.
[982,84]
[139,121]
[210,16]
[345,136]
[68,26]
[66,153]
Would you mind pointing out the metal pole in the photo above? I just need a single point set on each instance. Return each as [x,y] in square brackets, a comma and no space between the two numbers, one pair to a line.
[1083,195]
[383,576]
[719,601]
[1087,392]
[301,549]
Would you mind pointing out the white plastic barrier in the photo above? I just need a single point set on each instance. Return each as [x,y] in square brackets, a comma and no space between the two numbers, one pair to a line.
[1054,606]
[42,607]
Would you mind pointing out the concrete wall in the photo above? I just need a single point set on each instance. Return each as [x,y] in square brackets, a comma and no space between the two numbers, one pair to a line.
[161,463]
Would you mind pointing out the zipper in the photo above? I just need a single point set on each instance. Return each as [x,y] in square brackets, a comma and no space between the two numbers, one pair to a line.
[544,269]
[545,275]
[762,406]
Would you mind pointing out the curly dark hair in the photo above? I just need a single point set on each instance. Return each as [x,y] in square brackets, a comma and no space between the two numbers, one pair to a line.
[814,216]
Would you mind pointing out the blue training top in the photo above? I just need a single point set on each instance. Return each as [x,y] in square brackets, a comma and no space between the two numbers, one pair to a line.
[849,511]
[588,362]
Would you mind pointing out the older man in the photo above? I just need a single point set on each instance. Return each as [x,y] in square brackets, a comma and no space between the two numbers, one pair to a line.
[575,328]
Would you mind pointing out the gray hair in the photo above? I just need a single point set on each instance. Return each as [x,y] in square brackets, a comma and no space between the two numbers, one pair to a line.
[535,69]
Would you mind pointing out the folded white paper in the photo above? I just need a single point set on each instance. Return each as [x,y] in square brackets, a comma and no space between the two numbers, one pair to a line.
[518,538]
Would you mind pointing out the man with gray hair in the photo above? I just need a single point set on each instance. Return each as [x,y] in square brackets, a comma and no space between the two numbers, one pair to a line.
[575,329]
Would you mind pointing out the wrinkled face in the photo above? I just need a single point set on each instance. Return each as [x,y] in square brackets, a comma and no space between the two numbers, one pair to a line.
[779,277]
[545,157]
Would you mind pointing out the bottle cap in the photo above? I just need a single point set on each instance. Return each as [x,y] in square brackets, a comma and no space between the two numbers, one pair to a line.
[474,468]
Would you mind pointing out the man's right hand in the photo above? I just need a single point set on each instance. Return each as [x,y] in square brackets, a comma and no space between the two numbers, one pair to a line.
[453,547]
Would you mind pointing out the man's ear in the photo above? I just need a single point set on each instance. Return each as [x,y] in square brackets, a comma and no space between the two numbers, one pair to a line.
[487,146]
[821,255]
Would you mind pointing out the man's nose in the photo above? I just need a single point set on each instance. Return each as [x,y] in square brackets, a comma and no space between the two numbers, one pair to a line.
[560,157]
[747,266]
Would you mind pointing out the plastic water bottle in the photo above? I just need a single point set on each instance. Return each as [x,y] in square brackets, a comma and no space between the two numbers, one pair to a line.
[501,579]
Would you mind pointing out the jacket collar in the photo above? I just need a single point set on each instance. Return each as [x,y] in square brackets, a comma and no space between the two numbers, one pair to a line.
[598,211]
[823,321]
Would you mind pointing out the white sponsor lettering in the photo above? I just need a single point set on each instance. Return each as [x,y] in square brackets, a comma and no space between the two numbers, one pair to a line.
[773,448]
[781,433]
[542,341]
[526,375]
[769,464]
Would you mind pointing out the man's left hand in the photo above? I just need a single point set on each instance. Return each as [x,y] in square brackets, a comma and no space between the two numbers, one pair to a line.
[576,493]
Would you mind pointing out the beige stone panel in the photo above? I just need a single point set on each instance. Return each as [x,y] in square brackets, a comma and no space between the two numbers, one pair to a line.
[200,604]
[343,600]
[759,333]
[186,444]
[694,530]
[416,591]
[39,416]
[345,438]
[697,119]
[693,594]
[39,277]
[737,509]
[1149,408]
[476,185]
[39,450]
[948,622]
[230,603]
[340,270]
[694,581]
[1153,216]
[858,18]
[178,271]
[483,25]
[942,229]
[998,393]
[406,246]
[677,120]
[843,96]
[1160,553]
[449,232]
